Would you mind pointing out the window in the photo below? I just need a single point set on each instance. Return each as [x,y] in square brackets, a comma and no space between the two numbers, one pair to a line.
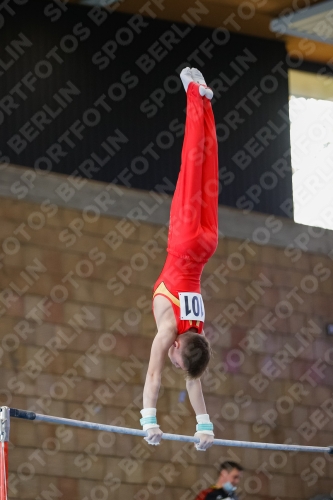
[311,116]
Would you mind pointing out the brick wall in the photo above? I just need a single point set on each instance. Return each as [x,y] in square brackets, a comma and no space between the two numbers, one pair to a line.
[76,330]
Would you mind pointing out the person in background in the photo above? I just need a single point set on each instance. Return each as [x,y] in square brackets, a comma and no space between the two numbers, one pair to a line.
[226,484]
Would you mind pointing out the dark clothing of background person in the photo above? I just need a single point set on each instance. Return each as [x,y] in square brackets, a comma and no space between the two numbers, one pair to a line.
[215,494]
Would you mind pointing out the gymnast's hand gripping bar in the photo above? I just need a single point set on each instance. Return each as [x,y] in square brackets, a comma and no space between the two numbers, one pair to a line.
[29,415]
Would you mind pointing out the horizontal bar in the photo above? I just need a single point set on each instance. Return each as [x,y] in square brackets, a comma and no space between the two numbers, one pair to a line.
[27,415]
[170,437]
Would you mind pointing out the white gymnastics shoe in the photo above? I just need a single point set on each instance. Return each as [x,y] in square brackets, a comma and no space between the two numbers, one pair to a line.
[186,77]
[203,89]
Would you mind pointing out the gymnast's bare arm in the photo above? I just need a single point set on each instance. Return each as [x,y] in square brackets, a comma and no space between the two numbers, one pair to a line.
[197,401]
[165,337]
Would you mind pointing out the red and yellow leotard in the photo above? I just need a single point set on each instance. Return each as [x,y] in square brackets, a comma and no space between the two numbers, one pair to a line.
[193,231]
[179,275]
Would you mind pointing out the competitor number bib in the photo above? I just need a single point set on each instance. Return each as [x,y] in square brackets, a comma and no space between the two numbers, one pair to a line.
[191,306]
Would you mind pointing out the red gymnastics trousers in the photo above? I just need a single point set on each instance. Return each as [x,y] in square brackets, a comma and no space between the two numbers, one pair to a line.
[193,230]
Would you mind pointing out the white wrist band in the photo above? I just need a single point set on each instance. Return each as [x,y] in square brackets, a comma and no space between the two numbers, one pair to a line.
[148,412]
[148,420]
[204,425]
[203,419]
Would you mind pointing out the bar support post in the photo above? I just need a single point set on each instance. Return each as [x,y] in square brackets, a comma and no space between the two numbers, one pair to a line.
[4,439]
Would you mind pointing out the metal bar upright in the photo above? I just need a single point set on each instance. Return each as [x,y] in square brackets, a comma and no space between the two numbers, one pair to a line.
[4,439]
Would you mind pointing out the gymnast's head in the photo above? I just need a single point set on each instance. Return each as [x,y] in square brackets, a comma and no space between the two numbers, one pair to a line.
[191,352]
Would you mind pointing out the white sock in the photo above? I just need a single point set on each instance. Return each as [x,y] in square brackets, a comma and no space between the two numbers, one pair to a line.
[203,89]
[198,76]
[186,77]
[209,93]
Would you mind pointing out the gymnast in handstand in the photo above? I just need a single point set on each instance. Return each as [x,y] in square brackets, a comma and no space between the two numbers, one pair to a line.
[192,240]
